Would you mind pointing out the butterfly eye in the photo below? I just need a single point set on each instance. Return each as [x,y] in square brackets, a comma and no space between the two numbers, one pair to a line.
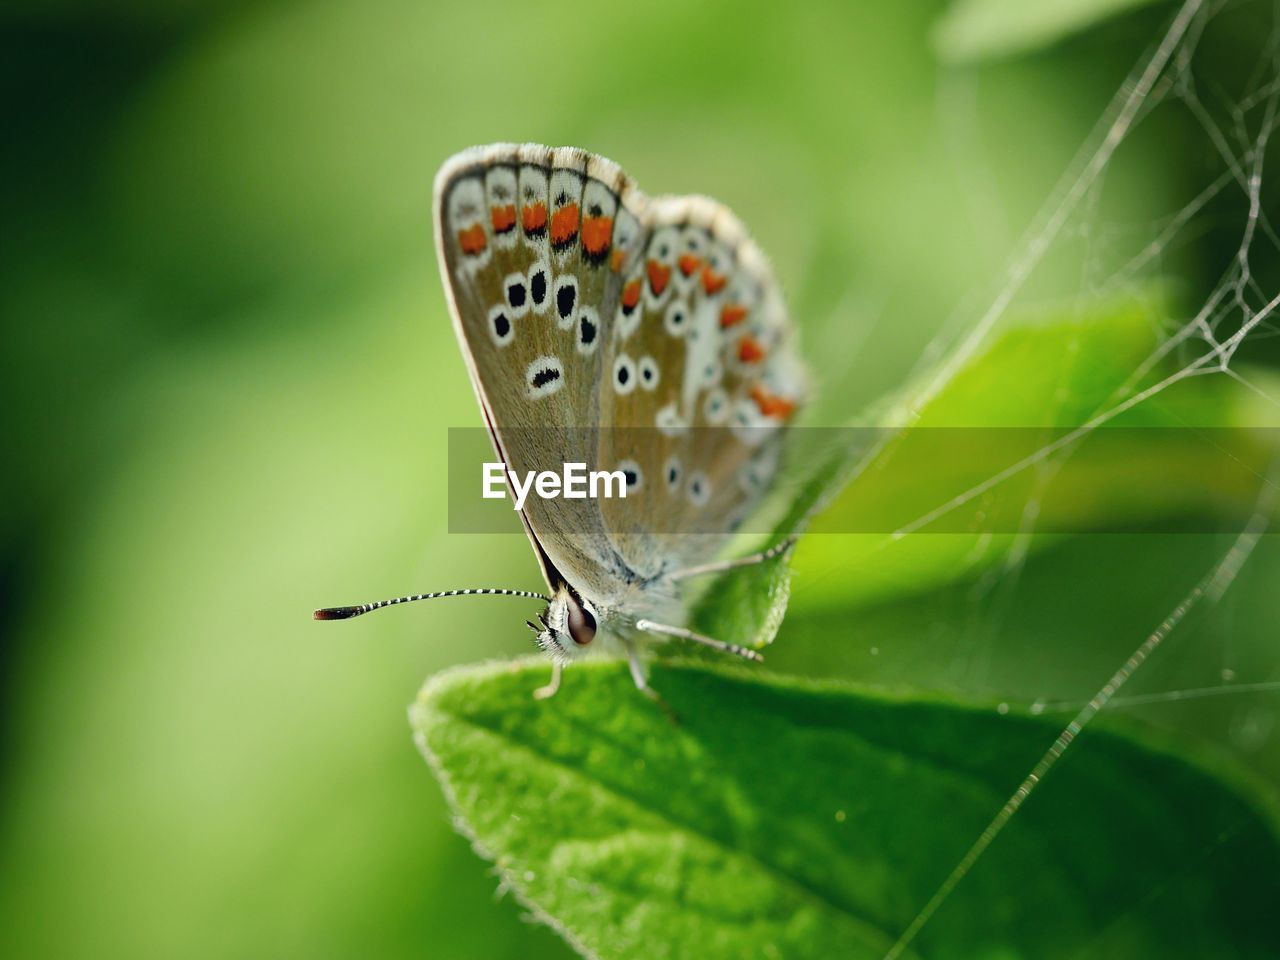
[582,625]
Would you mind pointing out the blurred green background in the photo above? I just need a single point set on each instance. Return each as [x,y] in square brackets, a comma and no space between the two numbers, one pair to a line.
[229,376]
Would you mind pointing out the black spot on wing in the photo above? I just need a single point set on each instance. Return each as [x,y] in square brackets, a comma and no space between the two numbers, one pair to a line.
[545,376]
[516,294]
[566,297]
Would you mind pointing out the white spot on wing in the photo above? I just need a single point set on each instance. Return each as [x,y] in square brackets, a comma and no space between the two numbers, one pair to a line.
[692,242]
[669,421]
[500,187]
[588,335]
[626,240]
[676,320]
[756,473]
[748,425]
[565,190]
[672,474]
[501,327]
[465,212]
[624,374]
[715,409]
[539,268]
[544,377]
[564,300]
[650,375]
[533,191]
[634,475]
[712,373]
[699,488]
[662,249]
[515,290]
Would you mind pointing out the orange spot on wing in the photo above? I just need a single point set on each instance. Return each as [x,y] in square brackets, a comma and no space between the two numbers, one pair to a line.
[564,223]
[689,263]
[712,282]
[615,260]
[534,217]
[750,350]
[659,274]
[631,294]
[504,218]
[472,239]
[597,232]
[732,314]
[772,405]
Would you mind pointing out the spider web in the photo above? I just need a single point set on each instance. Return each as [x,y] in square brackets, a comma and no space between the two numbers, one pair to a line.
[1238,311]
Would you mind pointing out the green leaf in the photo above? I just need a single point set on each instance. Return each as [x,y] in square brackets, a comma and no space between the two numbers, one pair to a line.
[787,819]
[746,606]
[984,29]
[1083,363]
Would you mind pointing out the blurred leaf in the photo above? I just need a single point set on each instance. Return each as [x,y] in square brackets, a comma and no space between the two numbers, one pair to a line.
[1053,628]
[1083,364]
[790,819]
[985,29]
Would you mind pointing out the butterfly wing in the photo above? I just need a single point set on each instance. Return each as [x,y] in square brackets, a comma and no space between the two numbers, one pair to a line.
[526,239]
[580,304]
[700,379]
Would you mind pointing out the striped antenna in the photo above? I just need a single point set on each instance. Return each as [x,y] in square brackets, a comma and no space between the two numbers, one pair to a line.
[346,613]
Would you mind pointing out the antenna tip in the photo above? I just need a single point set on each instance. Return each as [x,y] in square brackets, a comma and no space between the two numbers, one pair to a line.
[336,613]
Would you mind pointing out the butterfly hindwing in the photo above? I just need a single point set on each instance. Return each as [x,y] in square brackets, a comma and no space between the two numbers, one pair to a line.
[714,381]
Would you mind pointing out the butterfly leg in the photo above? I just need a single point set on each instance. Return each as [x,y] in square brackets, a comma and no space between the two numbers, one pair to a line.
[748,561]
[642,683]
[549,691]
[684,633]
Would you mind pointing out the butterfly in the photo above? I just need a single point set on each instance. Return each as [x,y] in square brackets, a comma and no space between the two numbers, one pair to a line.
[644,335]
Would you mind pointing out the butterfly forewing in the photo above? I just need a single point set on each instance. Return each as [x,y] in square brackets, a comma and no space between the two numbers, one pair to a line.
[507,228]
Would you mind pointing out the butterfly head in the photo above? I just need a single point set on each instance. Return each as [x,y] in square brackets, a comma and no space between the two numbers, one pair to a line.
[568,626]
